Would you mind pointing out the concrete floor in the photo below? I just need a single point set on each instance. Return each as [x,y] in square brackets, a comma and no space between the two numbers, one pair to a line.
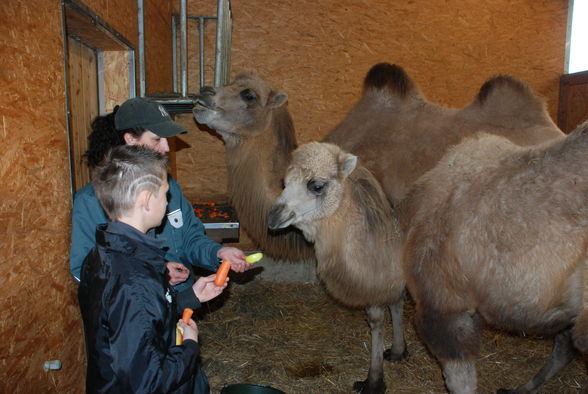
[303,271]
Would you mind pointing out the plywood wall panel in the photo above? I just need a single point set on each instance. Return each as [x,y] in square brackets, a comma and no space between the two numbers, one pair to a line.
[40,317]
[158,45]
[201,181]
[116,78]
[36,293]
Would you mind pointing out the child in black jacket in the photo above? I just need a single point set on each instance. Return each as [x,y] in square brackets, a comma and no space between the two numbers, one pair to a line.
[128,312]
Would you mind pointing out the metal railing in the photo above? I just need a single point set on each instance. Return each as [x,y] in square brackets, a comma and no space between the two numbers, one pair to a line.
[222,47]
[224,25]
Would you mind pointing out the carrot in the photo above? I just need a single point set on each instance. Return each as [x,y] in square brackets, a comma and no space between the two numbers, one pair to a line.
[187,315]
[179,330]
[221,273]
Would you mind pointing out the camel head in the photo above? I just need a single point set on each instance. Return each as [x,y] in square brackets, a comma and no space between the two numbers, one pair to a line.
[313,185]
[239,110]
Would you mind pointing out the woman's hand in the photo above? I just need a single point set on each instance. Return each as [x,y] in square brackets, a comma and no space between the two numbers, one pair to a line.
[176,273]
[205,290]
[236,257]
[190,330]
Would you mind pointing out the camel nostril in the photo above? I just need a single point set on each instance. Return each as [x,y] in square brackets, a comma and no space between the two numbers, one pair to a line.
[276,219]
[273,216]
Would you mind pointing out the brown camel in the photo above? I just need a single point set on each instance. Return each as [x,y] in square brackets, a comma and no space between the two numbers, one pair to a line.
[341,208]
[497,233]
[258,132]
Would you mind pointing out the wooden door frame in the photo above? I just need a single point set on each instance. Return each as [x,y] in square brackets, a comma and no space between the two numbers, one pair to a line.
[82,24]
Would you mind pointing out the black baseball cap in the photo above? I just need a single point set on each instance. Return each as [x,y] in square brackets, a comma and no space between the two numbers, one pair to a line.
[141,112]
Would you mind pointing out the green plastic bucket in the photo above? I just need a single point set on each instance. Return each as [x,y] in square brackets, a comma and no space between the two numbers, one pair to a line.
[244,388]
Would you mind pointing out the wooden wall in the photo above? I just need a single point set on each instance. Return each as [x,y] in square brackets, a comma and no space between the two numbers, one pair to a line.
[573,101]
[83,105]
[317,52]
[38,301]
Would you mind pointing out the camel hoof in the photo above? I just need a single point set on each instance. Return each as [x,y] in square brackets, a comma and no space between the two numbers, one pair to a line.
[388,355]
[364,387]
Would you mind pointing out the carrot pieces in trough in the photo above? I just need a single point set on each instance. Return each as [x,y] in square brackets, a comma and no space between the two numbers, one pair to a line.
[221,273]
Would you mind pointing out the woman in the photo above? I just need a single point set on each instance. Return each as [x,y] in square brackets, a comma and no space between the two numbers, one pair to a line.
[139,121]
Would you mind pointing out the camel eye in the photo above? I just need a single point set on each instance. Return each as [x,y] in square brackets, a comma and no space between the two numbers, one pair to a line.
[316,187]
[248,95]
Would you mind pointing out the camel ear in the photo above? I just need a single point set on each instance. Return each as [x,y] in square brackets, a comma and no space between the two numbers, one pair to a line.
[276,99]
[348,162]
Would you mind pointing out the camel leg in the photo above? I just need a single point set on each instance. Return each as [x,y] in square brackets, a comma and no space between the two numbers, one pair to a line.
[375,381]
[460,376]
[454,338]
[561,355]
[397,351]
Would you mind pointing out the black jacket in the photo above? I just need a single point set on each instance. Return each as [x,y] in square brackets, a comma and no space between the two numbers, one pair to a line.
[129,317]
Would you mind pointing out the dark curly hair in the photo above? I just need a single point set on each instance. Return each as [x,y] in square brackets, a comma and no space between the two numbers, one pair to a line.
[105,136]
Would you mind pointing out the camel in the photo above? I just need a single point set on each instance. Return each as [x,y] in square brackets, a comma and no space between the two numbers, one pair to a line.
[396,132]
[341,208]
[258,133]
[496,233]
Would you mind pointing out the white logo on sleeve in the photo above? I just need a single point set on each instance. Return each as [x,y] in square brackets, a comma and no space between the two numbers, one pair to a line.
[175,218]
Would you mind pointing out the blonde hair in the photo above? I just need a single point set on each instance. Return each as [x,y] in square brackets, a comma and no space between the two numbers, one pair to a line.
[126,171]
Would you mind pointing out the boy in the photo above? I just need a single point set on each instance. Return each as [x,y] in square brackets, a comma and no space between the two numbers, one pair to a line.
[128,313]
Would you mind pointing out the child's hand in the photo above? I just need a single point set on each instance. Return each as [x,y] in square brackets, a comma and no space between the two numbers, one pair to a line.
[190,330]
[177,273]
[236,257]
[205,290]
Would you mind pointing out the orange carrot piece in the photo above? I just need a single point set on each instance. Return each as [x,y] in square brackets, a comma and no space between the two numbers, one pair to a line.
[187,315]
[221,273]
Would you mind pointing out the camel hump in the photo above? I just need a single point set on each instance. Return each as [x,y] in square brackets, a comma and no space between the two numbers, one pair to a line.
[503,83]
[391,77]
[508,98]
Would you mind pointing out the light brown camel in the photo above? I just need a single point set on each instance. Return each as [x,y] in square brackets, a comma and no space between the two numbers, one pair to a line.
[497,233]
[258,132]
[341,208]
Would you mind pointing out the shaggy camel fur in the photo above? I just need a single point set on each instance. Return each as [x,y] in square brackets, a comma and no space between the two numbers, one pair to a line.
[497,233]
[342,209]
[258,132]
